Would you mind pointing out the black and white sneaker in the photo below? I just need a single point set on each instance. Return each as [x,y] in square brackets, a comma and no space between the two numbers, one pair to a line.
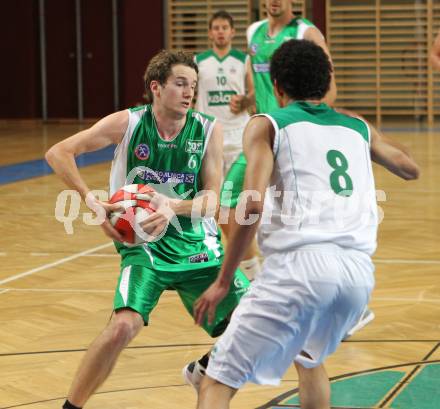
[193,374]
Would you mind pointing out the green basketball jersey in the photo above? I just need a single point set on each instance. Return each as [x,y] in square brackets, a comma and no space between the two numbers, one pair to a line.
[261,48]
[172,168]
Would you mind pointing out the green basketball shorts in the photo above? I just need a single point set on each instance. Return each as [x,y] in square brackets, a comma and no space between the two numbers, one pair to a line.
[139,288]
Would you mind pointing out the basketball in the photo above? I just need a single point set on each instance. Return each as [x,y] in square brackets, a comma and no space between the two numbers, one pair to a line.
[135,200]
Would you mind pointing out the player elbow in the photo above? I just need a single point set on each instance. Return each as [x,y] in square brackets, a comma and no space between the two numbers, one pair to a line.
[51,155]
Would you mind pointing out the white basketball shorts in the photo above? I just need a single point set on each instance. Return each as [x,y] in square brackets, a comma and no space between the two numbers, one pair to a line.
[305,300]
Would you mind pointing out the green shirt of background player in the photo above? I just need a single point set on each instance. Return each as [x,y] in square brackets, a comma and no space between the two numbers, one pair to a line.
[265,36]
[163,134]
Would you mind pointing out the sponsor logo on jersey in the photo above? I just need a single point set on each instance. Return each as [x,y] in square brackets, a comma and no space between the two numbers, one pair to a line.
[253,49]
[194,146]
[217,98]
[164,176]
[233,71]
[167,146]
[199,258]
[264,67]
[142,151]
[220,70]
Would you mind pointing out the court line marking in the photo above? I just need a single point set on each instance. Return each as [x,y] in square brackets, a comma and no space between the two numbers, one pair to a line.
[55,263]
[278,399]
[85,255]
[403,299]
[56,290]
[403,261]
[4,290]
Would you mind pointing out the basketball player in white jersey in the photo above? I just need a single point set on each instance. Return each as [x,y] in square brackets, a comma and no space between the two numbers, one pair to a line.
[318,275]
[223,83]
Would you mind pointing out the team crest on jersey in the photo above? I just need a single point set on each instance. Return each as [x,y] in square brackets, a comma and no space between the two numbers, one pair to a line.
[253,49]
[142,151]
[194,146]
[233,70]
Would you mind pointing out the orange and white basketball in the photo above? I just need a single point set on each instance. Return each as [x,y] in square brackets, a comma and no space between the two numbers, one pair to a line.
[135,199]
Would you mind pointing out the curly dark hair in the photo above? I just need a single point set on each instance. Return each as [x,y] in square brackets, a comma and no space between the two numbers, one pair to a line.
[160,66]
[301,69]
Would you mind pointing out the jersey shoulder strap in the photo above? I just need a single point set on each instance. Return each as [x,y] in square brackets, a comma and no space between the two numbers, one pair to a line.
[252,29]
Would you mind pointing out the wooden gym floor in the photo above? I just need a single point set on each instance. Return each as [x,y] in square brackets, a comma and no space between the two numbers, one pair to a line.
[56,293]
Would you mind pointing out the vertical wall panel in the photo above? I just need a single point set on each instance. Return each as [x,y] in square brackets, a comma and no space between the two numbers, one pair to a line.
[436,74]
[97,49]
[20,67]
[141,37]
[380,50]
[61,59]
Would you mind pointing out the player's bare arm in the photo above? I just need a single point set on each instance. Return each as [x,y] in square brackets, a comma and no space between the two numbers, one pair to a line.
[240,103]
[61,157]
[393,156]
[313,34]
[435,53]
[389,153]
[257,144]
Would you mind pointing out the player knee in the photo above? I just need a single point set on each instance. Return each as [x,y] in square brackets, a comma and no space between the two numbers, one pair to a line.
[124,328]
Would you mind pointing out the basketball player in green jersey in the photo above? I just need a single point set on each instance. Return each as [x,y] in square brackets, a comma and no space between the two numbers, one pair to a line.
[176,149]
[435,53]
[318,274]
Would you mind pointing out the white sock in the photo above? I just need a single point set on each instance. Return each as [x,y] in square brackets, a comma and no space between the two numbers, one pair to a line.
[250,267]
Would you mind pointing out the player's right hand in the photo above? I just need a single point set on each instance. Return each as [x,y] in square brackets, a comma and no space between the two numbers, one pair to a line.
[237,103]
[208,301]
[102,211]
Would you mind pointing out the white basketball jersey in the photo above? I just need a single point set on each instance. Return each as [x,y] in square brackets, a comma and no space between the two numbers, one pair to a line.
[322,187]
[219,79]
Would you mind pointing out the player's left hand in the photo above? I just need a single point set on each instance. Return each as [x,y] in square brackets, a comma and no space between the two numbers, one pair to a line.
[155,223]
[208,302]
[237,103]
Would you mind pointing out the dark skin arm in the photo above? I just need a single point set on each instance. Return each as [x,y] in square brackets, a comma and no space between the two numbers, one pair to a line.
[257,144]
